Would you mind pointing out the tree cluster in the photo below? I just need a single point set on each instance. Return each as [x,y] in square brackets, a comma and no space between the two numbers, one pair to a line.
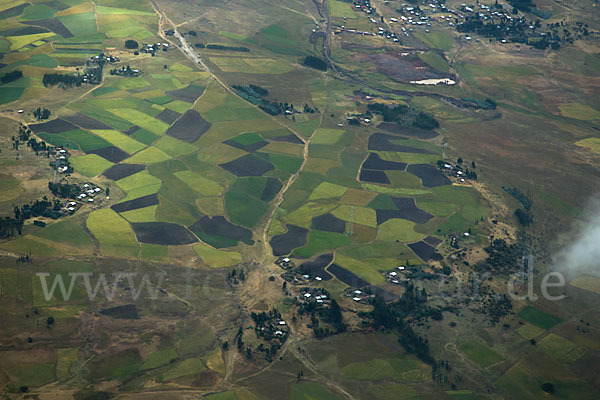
[315,62]
[404,115]
[41,113]
[524,215]
[125,71]
[131,44]
[522,5]
[255,95]
[502,257]
[391,316]
[10,227]
[66,80]
[38,208]
[64,190]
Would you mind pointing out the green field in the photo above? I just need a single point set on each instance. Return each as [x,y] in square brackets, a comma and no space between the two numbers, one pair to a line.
[319,241]
[217,258]
[480,353]
[360,269]
[120,140]
[140,119]
[69,232]
[538,317]
[398,230]
[340,9]
[113,233]
[148,156]
[90,165]
[146,214]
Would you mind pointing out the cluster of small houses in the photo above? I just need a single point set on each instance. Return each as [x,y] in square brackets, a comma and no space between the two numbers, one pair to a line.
[273,328]
[87,195]
[153,48]
[397,276]
[358,296]
[314,295]
[453,170]
[292,275]
[89,192]
[94,66]
[414,15]
[125,71]
[488,13]
[62,160]
[105,58]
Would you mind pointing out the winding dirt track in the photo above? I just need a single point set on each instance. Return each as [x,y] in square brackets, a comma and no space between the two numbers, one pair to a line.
[184,46]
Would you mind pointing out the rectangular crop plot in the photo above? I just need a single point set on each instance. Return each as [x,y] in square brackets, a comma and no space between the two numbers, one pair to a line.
[188,94]
[53,25]
[164,233]
[121,171]
[140,119]
[167,116]
[111,153]
[189,127]
[539,317]
[86,141]
[90,164]
[57,125]
[360,269]
[480,353]
[327,136]
[85,122]
[140,202]
[80,24]
[120,140]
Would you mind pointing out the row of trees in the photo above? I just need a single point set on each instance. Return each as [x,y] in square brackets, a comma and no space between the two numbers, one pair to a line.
[10,227]
[66,80]
[524,215]
[222,47]
[11,76]
[39,208]
[255,95]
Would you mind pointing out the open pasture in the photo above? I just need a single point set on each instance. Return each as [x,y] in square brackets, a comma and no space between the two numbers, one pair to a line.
[217,258]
